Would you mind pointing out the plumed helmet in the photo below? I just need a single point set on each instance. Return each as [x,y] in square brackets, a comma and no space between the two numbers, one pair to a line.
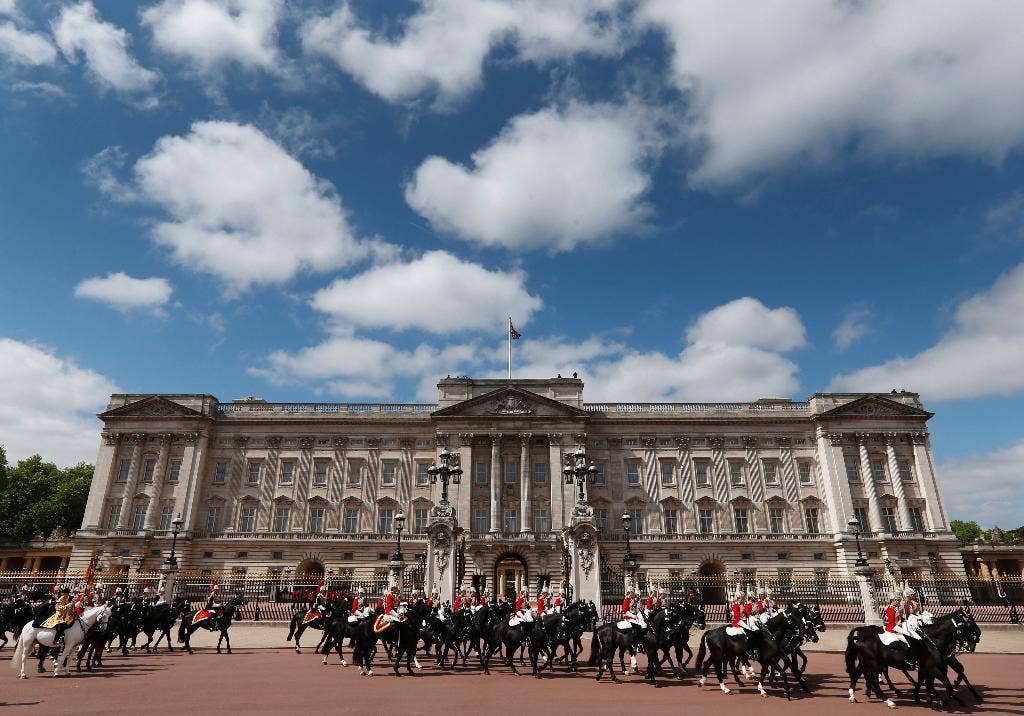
[750,594]
[362,590]
[739,594]
[145,590]
[909,592]
[893,596]
[760,592]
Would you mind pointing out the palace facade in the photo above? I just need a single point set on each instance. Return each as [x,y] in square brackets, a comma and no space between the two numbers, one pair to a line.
[761,489]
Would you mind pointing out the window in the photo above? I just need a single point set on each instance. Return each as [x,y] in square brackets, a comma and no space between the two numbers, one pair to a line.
[355,471]
[175,472]
[388,475]
[667,473]
[247,519]
[906,473]
[540,473]
[320,473]
[254,472]
[122,470]
[671,522]
[281,515]
[139,517]
[878,470]
[740,517]
[277,555]
[771,473]
[541,521]
[805,472]
[599,475]
[511,520]
[419,520]
[889,520]
[861,513]
[703,476]
[853,471]
[811,520]
[220,473]
[317,519]
[638,520]
[776,520]
[351,523]
[148,468]
[422,476]
[113,515]
[916,519]
[165,517]
[632,473]
[601,519]
[511,473]
[287,472]
[706,521]
[481,519]
[385,517]
[213,520]
[735,473]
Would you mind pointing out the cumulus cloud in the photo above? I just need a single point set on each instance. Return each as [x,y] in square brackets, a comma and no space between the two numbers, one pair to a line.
[437,292]
[1006,219]
[211,33]
[729,355]
[47,404]
[124,293]
[987,487]
[23,47]
[773,83]
[852,327]
[442,46]
[79,30]
[553,179]
[240,207]
[47,90]
[981,355]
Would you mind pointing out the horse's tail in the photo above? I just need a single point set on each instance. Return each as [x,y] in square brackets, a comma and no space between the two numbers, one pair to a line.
[291,627]
[851,653]
[701,651]
[183,628]
[19,650]
[595,644]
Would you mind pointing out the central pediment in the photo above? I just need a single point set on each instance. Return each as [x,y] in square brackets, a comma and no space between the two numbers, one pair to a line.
[155,406]
[510,402]
[874,406]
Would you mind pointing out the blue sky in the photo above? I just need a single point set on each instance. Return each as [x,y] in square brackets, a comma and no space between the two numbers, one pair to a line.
[342,201]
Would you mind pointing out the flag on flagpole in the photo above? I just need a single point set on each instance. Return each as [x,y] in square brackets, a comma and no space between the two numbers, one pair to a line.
[90,571]
[516,335]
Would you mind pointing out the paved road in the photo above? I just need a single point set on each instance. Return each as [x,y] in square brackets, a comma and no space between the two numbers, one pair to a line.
[280,681]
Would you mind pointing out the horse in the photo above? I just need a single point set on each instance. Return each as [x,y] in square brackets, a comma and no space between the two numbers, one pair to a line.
[722,649]
[772,641]
[299,624]
[691,614]
[220,621]
[92,645]
[492,635]
[160,617]
[606,640]
[73,635]
[14,615]
[337,628]
[407,636]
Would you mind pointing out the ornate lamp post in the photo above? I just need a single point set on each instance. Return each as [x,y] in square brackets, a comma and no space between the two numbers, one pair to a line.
[399,526]
[176,524]
[448,471]
[579,471]
[854,525]
[628,561]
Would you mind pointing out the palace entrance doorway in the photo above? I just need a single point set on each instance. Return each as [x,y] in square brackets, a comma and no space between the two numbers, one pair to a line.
[510,576]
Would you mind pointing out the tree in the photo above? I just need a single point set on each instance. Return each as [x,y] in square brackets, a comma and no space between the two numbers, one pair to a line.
[966,532]
[37,498]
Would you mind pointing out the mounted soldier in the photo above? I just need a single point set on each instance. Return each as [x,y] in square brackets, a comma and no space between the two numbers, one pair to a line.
[522,612]
[62,617]
[736,608]
[632,617]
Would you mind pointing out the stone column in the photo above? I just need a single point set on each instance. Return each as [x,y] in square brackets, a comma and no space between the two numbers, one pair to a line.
[441,558]
[137,440]
[924,465]
[835,485]
[584,553]
[158,478]
[719,480]
[194,461]
[526,504]
[168,573]
[629,569]
[687,493]
[106,465]
[496,483]
[555,481]
[865,581]
[463,491]
[897,483]
[868,480]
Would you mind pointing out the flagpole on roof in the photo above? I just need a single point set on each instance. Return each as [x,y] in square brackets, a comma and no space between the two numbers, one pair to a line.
[510,347]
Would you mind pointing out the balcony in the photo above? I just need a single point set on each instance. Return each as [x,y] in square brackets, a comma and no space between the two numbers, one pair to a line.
[700,408]
[259,409]
[720,537]
[307,536]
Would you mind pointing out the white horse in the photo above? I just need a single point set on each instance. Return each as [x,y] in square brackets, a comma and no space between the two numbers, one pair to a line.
[73,636]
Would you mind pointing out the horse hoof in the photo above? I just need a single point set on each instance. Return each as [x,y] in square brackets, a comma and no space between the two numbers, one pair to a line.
[344,663]
[297,650]
[890,703]
[369,673]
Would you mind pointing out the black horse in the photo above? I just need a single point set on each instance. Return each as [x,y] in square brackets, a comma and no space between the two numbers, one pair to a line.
[404,634]
[772,641]
[722,651]
[160,618]
[299,624]
[219,621]
[608,639]
[14,615]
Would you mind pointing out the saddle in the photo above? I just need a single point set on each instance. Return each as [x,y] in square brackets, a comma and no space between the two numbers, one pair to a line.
[380,626]
[203,615]
[311,615]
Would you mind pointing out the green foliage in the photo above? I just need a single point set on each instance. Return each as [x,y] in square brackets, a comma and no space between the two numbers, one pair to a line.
[38,498]
[966,532]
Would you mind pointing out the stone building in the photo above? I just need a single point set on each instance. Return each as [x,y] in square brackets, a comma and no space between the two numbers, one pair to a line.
[754,489]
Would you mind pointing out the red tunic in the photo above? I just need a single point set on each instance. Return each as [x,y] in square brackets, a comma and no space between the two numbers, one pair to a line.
[890,619]
[482,601]
[908,608]
[430,602]
[558,601]
[457,604]
[737,615]
[760,607]
[355,604]
[540,605]
[649,604]
[625,606]
[389,603]
[661,602]
[748,609]
[519,604]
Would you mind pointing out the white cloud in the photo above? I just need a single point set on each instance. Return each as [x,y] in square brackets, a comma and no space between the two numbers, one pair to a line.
[785,81]
[552,179]
[210,33]
[124,293]
[852,327]
[79,29]
[242,209]
[981,355]
[986,488]
[23,47]
[1006,219]
[41,89]
[8,7]
[47,404]
[441,48]
[437,292]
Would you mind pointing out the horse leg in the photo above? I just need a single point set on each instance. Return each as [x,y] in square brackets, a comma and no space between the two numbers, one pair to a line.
[298,636]
[962,676]
[188,639]
[888,680]
[760,681]
[720,672]
[227,639]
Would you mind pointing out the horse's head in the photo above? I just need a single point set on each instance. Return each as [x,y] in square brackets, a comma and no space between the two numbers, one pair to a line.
[968,633]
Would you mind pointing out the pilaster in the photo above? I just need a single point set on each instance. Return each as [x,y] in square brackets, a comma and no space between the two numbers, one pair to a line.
[136,440]
[496,482]
[555,481]
[106,464]
[924,464]
[525,509]
[868,481]
[897,482]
